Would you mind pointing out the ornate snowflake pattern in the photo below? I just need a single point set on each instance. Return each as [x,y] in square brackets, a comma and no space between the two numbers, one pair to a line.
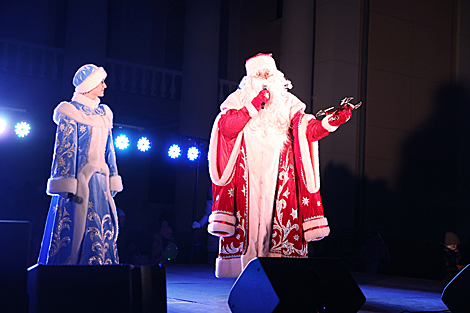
[280,242]
[294,213]
[305,201]
[235,246]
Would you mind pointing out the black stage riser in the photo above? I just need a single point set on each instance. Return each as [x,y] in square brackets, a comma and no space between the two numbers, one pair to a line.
[121,289]
[296,285]
[15,245]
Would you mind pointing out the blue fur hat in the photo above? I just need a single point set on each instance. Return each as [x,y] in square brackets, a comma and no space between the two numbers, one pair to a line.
[88,77]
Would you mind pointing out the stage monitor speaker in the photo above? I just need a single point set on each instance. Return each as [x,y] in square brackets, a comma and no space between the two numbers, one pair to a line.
[456,294]
[108,288]
[295,285]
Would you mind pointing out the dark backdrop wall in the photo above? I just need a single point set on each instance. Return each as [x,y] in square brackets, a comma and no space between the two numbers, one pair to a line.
[403,154]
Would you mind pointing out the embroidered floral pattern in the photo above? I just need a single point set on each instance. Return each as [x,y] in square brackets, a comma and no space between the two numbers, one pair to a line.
[235,246]
[63,222]
[104,238]
[280,242]
[64,155]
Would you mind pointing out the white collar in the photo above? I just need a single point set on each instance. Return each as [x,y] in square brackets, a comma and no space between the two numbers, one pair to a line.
[92,103]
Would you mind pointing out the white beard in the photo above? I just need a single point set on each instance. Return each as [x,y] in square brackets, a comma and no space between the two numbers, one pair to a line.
[269,129]
[275,117]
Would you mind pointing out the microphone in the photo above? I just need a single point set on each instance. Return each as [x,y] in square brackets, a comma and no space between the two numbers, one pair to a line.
[265,87]
[74,198]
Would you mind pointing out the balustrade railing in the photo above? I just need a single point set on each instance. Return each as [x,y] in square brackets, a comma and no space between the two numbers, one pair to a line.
[144,79]
[31,59]
[35,60]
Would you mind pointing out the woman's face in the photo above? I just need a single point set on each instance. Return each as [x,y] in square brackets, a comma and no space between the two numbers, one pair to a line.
[98,91]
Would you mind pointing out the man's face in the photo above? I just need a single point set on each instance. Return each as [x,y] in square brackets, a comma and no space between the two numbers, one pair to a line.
[263,73]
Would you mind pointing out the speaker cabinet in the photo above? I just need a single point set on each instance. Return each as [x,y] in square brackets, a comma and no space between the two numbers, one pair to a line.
[295,285]
[455,294]
[113,288]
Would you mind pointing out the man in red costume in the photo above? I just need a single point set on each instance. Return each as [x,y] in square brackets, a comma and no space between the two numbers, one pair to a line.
[263,162]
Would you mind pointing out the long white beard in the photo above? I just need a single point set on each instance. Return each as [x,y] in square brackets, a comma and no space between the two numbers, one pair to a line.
[275,117]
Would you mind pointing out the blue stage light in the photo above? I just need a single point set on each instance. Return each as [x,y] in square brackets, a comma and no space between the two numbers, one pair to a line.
[143,144]
[174,151]
[193,153]
[122,142]
[3,125]
[22,129]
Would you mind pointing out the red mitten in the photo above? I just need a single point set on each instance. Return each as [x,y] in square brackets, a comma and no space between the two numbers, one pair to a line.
[262,97]
[340,117]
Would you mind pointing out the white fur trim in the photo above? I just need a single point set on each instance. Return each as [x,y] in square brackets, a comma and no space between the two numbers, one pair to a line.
[251,109]
[309,154]
[93,80]
[217,179]
[258,62]
[115,183]
[231,268]
[217,225]
[61,184]
[83,192]
[92,103]
[316,233]
[327,125]
[68,109]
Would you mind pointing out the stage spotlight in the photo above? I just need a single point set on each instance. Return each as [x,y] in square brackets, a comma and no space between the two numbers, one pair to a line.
[193,153]
[174,151]
[122,142]
[3,125]
[22,129]
[143,144]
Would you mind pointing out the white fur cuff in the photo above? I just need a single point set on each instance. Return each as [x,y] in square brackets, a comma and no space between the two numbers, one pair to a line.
[61,184]
[327,125]
[251,109]
[222,225]
[115,183]
[316,229]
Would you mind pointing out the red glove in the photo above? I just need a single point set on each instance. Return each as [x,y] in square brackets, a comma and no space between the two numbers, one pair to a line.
[340,117]
[260,100]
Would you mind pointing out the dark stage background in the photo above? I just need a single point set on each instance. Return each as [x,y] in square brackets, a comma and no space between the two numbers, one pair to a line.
[394,177]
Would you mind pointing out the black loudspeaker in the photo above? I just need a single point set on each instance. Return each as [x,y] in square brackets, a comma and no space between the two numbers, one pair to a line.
[15,237]
[108,288]
[455,294]
[295,285]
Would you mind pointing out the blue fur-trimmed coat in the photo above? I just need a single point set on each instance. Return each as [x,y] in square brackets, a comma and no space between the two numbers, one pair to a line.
[82,230]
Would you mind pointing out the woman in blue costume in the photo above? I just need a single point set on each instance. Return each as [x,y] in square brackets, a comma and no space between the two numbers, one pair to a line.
[81,226]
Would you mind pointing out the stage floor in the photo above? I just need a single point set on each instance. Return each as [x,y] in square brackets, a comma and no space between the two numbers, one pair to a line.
[193,288]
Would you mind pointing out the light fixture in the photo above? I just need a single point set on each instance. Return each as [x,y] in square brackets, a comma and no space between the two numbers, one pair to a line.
[143,144]
[122,142]
[174,151]
[22,129]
